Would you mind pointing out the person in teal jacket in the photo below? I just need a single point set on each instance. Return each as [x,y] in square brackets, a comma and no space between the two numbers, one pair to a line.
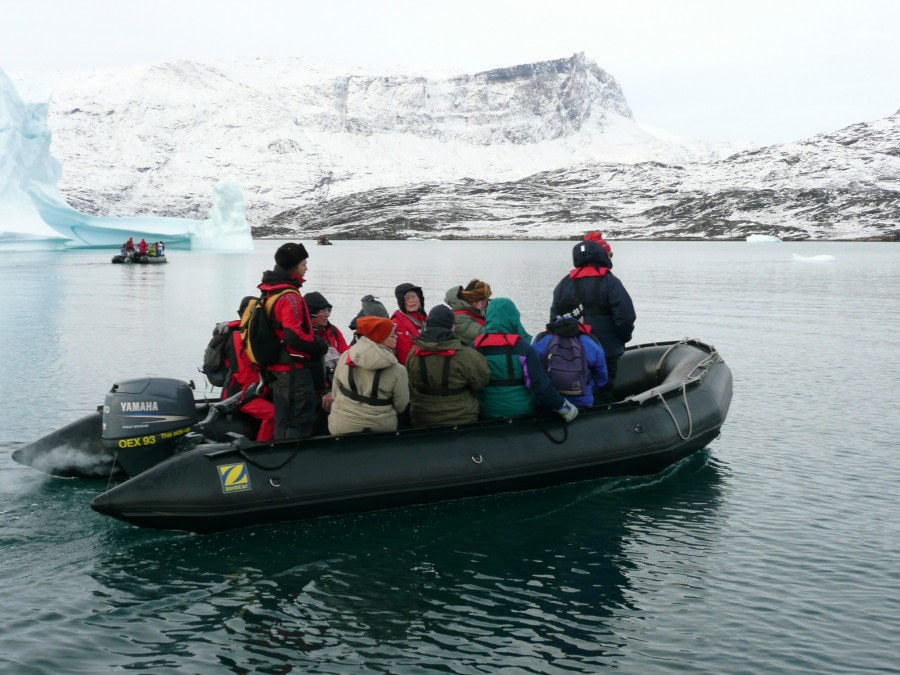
[519,384]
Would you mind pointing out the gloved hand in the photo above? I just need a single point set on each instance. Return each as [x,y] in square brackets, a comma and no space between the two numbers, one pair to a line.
[568,411]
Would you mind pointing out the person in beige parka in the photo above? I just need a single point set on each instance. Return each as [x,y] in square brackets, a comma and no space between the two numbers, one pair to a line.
[370,386]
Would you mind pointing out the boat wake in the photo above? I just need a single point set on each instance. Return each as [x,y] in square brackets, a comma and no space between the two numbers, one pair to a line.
[74,459]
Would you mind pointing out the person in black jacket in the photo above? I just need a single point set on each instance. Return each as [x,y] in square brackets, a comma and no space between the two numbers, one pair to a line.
[607,306]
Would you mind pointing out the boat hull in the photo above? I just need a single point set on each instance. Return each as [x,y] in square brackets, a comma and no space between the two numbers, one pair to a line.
[219,486]
[139,260]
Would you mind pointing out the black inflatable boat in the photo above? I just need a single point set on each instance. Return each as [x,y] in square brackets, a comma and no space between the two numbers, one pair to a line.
[139,259]
[203,476]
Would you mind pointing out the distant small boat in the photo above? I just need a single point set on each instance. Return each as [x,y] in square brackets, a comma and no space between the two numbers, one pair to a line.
[139,259]
[324,241]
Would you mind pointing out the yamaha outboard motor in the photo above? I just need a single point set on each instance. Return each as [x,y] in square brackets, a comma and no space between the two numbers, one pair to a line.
[146,420]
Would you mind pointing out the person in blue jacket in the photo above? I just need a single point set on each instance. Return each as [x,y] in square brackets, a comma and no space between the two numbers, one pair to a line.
[583,370]
[608,309]
[519,384]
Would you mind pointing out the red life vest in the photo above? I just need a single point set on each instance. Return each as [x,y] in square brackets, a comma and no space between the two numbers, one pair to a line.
[496,340]
[502,343]
[478,319]
[443,389]
[588,271]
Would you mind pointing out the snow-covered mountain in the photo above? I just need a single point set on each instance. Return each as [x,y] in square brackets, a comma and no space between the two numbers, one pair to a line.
[536,150]
[844,185]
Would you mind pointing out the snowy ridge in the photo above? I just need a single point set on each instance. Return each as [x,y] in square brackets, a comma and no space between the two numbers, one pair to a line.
[294,132]
[843,185]
[534,150]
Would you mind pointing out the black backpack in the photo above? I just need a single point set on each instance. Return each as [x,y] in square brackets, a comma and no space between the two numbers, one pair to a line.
[261,344]
[215,361]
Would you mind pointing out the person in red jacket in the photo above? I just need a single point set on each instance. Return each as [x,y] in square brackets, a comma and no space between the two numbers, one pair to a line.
[245,377]
[409,319]
[294,389]
[142,247]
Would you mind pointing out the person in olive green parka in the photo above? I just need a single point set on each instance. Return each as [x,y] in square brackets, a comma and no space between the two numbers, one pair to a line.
[444,374]
[468,305]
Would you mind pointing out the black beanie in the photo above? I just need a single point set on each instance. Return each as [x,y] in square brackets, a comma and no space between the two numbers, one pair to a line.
[316,302]
[440,316]
[569,309]
[290,255]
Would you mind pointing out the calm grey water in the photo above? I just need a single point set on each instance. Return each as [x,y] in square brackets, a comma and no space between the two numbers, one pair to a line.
[775,550]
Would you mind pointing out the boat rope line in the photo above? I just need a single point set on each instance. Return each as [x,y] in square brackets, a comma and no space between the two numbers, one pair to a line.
[112,469]
[687,407]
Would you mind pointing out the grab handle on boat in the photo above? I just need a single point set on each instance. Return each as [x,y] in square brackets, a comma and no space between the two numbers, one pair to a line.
[560,441]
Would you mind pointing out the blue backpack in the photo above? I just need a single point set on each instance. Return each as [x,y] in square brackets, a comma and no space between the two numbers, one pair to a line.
[567,365]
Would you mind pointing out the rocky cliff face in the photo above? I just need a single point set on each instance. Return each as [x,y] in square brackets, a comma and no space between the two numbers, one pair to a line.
[535,150]
[844,184]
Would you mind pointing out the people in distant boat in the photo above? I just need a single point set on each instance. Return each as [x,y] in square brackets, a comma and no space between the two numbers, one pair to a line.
[409,318]
[596,236]
[127,249]
[518,383]
[608,309]
[160,248]
[323,241]
[371,306]
[152,250]
[468,305]
[142,247]
[294,387]
[245,378]
[370,386]
[444,374]
[573,359]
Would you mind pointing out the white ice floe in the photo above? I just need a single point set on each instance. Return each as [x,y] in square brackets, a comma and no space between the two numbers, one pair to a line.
[813,258]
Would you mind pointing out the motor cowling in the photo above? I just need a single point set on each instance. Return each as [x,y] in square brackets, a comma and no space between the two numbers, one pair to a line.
[145,420]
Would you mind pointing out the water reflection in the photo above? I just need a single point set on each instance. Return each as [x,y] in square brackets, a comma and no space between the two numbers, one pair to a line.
[552,576]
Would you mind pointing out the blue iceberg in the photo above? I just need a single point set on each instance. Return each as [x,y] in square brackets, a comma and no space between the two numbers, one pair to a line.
[33,214]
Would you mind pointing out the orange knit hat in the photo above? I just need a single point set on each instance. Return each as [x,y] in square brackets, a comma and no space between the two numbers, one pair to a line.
[375,328]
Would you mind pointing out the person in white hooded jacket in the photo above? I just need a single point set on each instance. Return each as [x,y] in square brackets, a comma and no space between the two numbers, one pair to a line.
[370,386]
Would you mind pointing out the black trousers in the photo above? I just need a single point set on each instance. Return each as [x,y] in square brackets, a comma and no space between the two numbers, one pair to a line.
[604,393]
[294,396]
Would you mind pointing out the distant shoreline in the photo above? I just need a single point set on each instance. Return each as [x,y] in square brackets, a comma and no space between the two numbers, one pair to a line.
[886,239]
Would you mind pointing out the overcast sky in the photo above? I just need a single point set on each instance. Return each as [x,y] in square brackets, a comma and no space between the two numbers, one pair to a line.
[766,71]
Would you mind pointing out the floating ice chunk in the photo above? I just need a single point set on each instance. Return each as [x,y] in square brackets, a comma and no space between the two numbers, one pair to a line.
[33,214]
[813,258]
[761,238]
[227,227]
